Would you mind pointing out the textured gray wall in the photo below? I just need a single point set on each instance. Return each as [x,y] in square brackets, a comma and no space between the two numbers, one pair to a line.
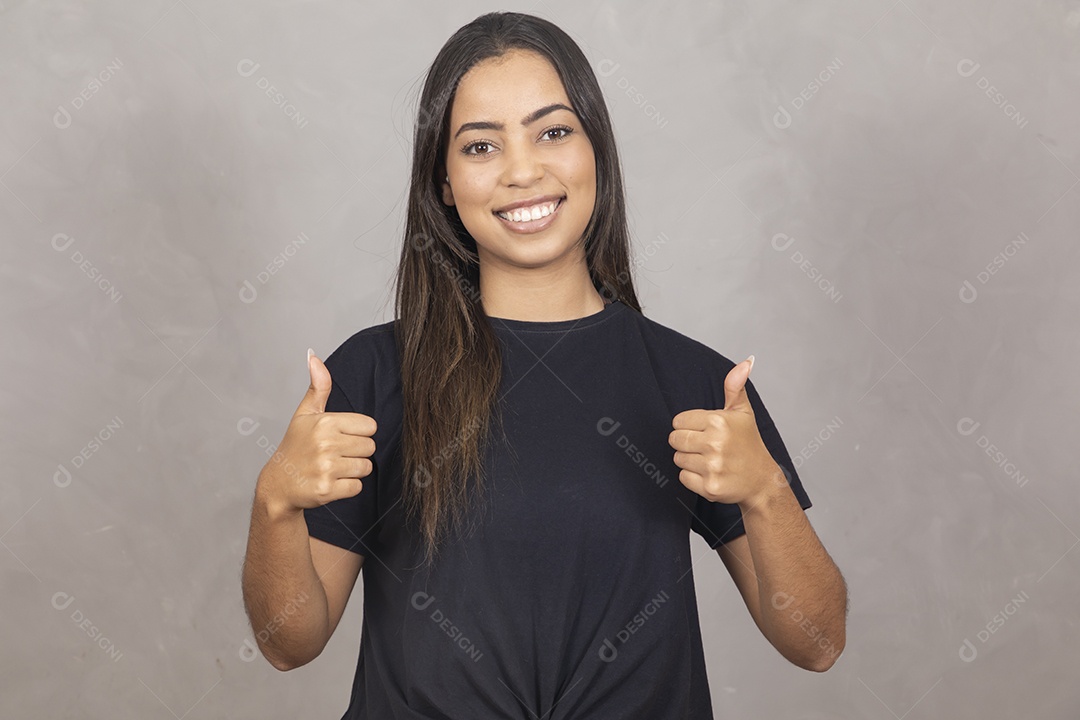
[875,198]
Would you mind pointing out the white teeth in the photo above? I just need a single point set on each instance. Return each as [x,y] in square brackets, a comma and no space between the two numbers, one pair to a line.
[529,214]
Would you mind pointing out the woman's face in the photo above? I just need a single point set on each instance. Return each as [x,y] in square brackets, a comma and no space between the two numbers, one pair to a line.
[547,159]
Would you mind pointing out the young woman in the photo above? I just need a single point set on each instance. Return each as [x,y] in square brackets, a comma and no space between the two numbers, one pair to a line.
[517,460]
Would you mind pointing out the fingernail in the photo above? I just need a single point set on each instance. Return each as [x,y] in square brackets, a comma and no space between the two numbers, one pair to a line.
[751,359]
[310,352]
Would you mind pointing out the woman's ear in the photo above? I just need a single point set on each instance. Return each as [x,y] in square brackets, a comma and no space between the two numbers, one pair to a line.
[447,192]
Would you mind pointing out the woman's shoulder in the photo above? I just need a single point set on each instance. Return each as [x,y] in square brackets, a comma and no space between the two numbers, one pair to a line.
[371,344]
[678,345]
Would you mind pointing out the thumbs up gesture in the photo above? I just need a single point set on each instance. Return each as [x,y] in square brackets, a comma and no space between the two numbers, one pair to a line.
[721,453]
[323,455]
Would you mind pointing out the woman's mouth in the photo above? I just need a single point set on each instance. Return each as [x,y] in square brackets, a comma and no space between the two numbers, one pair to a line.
[532,219]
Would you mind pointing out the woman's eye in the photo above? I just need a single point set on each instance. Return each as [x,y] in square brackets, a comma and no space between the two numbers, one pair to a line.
[472,145]
[562,128]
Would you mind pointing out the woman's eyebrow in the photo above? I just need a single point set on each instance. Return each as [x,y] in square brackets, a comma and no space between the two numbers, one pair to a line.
[527,120]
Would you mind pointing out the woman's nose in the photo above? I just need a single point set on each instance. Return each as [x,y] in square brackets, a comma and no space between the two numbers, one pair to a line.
[523,165]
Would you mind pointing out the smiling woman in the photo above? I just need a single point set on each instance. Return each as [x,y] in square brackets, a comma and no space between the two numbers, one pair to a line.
[500,456]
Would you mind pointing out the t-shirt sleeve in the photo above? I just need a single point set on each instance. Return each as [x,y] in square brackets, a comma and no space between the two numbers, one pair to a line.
[720,523]
[346,522]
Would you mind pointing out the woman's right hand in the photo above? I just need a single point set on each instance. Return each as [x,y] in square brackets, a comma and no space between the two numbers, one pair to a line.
[323,454]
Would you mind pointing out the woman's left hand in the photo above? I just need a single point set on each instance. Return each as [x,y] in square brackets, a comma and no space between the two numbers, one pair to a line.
[721,453]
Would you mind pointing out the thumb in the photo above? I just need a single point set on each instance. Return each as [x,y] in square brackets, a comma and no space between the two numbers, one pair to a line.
[314,400]
[735,397]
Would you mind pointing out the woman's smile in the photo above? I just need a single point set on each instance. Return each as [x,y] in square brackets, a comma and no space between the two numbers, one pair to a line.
[530,219]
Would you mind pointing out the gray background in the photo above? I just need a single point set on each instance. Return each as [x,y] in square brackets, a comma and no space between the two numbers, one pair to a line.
[874,198]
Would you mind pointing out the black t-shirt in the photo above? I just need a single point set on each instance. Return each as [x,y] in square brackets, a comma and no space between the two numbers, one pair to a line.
[573,597]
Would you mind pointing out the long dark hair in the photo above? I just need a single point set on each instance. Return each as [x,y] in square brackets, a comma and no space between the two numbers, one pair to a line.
[451,362]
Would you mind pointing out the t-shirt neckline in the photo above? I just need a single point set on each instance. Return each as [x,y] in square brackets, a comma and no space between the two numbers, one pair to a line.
[557,325]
